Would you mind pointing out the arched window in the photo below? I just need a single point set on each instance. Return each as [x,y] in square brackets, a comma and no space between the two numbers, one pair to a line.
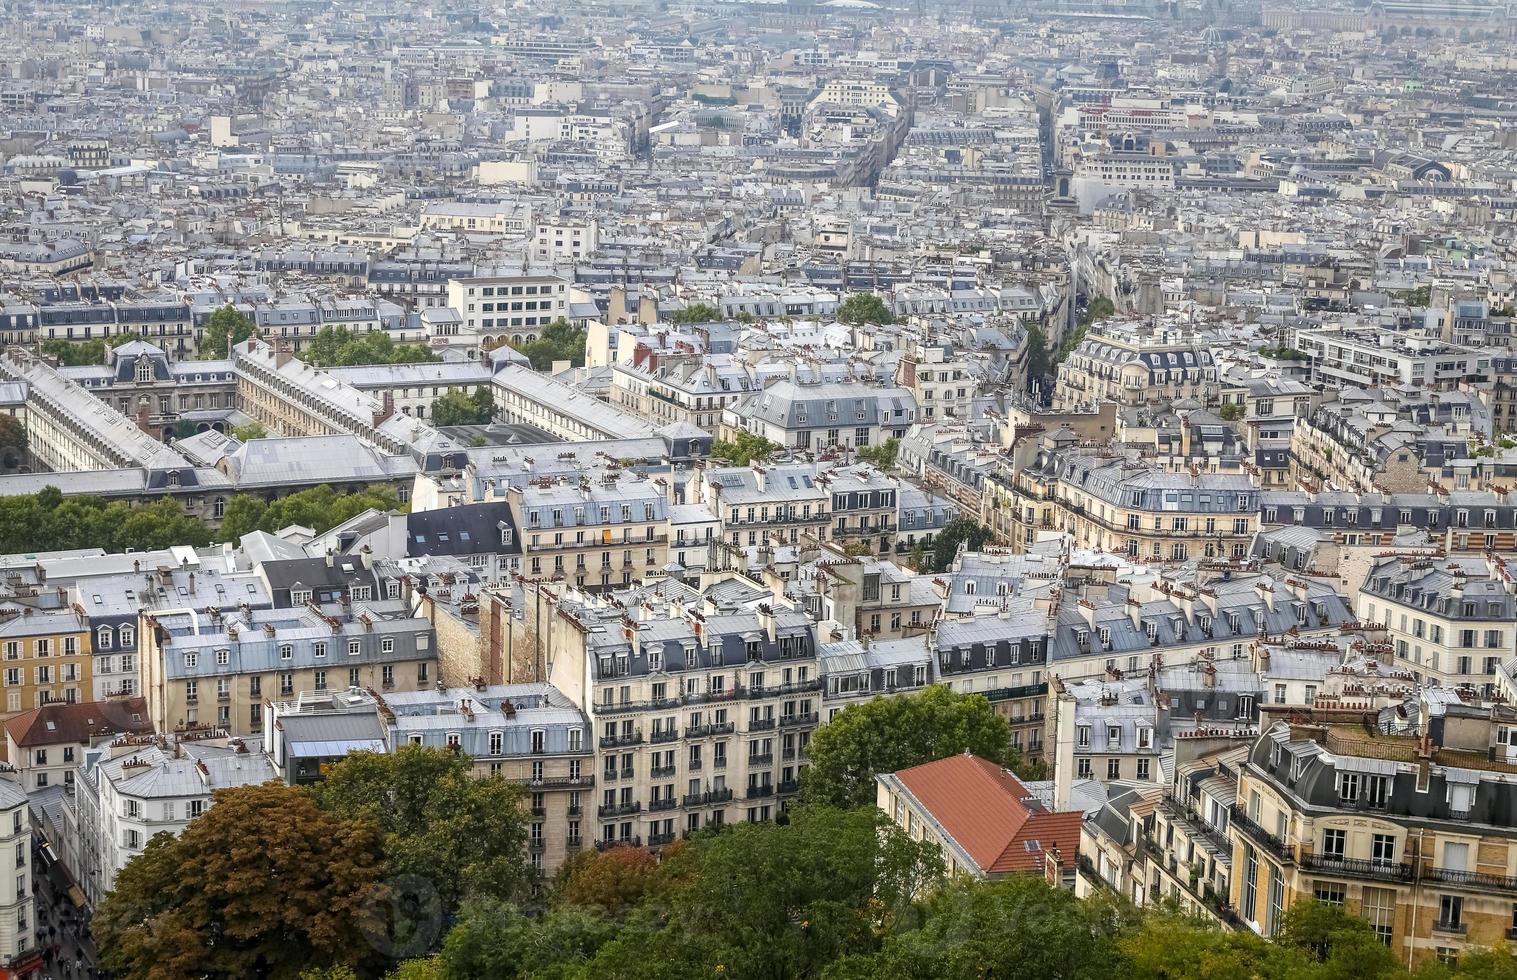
[144,369]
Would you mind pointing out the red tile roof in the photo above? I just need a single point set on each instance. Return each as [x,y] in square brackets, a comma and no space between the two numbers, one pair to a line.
[61,723]
[990,814]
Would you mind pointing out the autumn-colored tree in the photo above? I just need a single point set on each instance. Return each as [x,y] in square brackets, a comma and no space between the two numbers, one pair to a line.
[264,884]
[614,880]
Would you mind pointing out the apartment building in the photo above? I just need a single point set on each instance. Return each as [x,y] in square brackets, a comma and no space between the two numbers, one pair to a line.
[45,746]
[1408,830]
[761,504]
[701,718]
[508,308]
[857,670]
[1460,522]
[940,379]
[864,507]
[693,390]
[138,787]
[1449,620]
[1120,504]
[217,668]
[530,734]
[846,414]
[1136,365]
[596,535]
[1365,358]
[47,658]
[20,954]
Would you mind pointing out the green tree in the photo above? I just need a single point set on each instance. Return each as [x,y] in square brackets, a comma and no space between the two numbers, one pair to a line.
[464,834]
[864,308]
[249,432]
[263,884]
[1344,946]
[894,732]
[960,530]
[1169,947]
[13,443]
[558,341]
[1017,927]
[1099,309]
[882,455]
[1421,296]
[765,900]
[493,939]
[696,313]
[225,329]
[340,347]
[743,449]
[242,515]
[1039,362]
[454,407]
[1230,412]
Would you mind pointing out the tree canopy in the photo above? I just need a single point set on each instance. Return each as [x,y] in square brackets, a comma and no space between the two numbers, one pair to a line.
[262,884]
[453,407]
[14,442]
[558,341]
[225,329]
[1039,361]
[249,432]
[463,834]
[335,346]
[49,521]
[74,353]
[892,732]
[882,455]
[696,313]
[319,508]
[864,308]
[743,449]
[945,544]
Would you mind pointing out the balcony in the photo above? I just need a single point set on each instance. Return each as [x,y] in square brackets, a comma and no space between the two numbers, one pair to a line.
[661,772]
[1262,837]
[628,707]
[709,697]
[1012,693]
[539,811]
[761,725]
[1472,879]
[660,840]
[618,810]
[789,786]
[658,806]
[619,741]
[706,731]
[606,845]
[667,735]
[767,759]
[707,798]
[1451,928]
[561,782]
[759,792]
[1357,867]
[537,844]
[719,763]
[809,718]
[574,842]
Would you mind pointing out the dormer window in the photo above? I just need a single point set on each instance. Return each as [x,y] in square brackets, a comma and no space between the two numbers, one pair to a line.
[144,370]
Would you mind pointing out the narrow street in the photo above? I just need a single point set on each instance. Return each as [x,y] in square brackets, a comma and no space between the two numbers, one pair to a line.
[61,926]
